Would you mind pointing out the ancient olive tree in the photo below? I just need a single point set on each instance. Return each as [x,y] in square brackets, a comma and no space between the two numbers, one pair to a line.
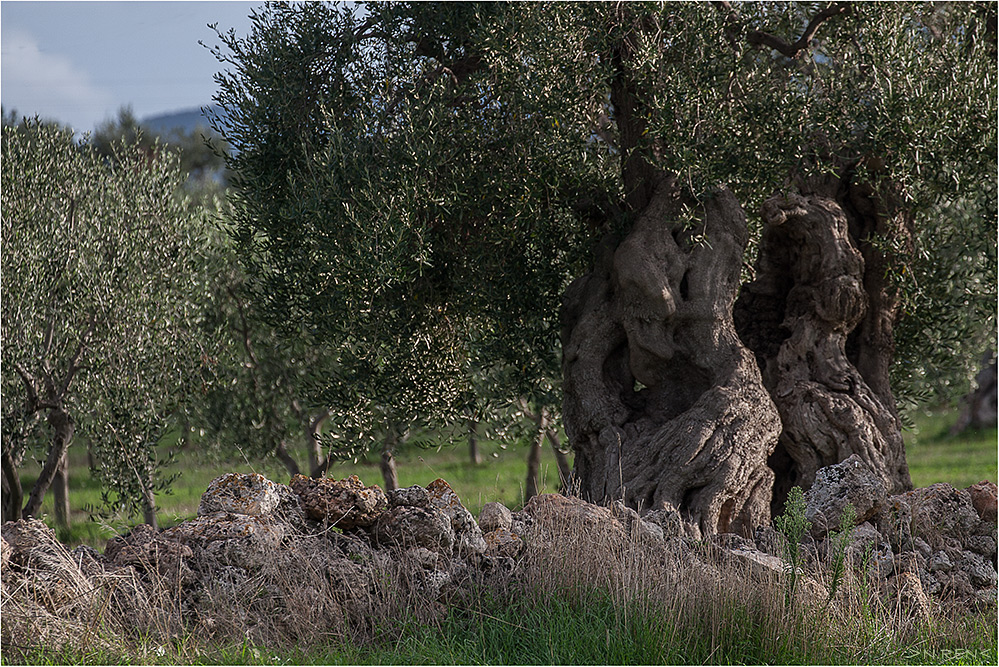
[432,188]
[102,264]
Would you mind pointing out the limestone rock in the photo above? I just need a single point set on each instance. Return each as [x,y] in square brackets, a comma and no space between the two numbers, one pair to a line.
[254,495]
[346,504]
[411,496]
[408,527]
[768,540]
[575,514]
[238,540]
[495,516]
[983,498]
[468,535]
[147,551]
[502,543]
[980,573]
[936,513]
[849,482]
[423,557]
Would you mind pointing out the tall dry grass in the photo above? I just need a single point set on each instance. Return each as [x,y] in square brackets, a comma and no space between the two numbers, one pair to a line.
[685,601]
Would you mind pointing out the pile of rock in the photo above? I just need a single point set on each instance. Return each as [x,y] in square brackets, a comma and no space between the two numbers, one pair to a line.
[323,539]
[938,539]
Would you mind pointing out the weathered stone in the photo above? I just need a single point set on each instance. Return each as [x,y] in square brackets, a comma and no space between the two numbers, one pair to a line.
[289,510]
[936,513]
[592,519]
[251,494]
[239,540]
[144,549]
[849,482]
[88,559]
[494,516]
[468,536]
[768,540]
[423,557]
[868,547]
[147,551]
[411,496]
[501,543]
[980,573]
[409,527]
[922,547]
[907,591]
[521,523]
[983,498]
[346,504]
[637,527]
[983,545]
[756,561]
[672,524]
[940,562]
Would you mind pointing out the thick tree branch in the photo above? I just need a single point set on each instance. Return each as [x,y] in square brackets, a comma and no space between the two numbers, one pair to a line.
[33,404]
[759,38]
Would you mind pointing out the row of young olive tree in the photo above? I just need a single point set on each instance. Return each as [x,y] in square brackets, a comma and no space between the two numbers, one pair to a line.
[744,225]
[126,322]
[103,262]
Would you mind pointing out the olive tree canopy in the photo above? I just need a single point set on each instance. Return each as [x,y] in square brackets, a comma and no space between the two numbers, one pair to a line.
[724,215]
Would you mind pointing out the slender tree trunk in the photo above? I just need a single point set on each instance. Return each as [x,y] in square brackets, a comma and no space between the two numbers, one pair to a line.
[149,508]
[473,442]
[62,434]
[979,406]
[564,469]
[91,459]
[13,495]
[60,493]
[290,464]
[664,406]
[389,474]
[531,485]
[318,465]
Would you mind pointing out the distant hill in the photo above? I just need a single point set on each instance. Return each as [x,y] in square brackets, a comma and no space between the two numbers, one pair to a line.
[185,121]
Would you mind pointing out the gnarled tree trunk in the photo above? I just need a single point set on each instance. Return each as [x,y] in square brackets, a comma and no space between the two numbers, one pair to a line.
[810,293]
[664,406]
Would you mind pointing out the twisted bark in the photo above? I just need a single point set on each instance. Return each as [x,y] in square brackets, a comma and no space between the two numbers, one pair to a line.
[811,292]
[663,404]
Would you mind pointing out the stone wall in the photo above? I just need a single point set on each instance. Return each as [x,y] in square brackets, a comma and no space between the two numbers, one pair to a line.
[328,542]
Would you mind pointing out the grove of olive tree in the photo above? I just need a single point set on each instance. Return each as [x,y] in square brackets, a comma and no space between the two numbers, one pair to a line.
[720,213]
[103,266]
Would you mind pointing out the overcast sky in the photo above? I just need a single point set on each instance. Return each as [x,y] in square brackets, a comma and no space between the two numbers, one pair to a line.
[79,62]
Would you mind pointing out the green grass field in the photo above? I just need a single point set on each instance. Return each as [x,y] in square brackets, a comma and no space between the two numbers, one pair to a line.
[936,456]
[933,455]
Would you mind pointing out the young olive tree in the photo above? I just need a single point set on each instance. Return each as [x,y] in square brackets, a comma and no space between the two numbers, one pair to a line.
[433,188]
[103,265]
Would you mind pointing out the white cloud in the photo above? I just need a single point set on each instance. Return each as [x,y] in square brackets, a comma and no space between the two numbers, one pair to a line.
[34,81]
